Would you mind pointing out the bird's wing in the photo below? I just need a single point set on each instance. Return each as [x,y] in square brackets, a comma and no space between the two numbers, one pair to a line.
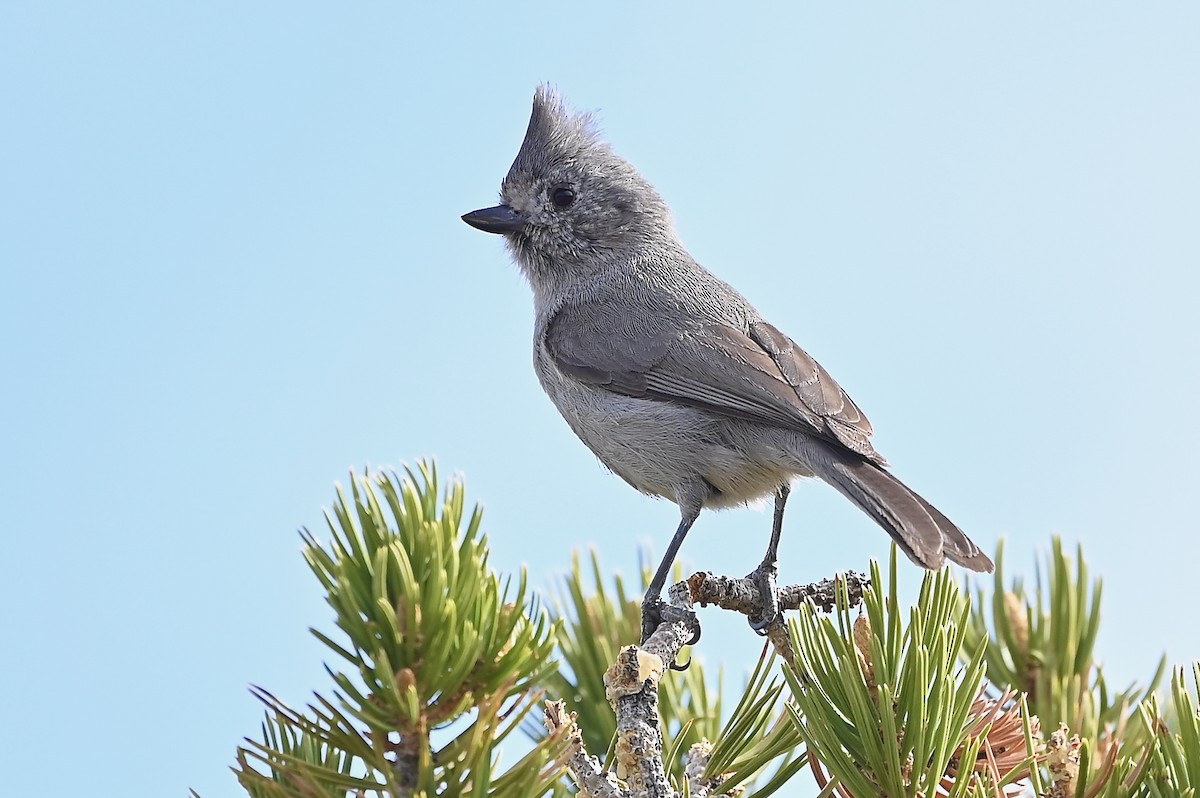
[757,373]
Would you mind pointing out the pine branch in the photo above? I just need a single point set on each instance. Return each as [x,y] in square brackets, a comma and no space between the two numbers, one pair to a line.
[433,637]
[446,660]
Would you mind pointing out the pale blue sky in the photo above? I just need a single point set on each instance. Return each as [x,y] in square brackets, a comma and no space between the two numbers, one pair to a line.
[232,268]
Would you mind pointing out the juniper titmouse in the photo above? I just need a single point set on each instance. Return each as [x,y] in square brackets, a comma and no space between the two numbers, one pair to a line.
[667,373]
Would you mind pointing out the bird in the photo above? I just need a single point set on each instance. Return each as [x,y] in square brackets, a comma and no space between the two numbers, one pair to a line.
[668,374]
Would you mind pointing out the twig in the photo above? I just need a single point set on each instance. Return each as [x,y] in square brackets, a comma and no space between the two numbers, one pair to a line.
[591,777]
[695,762]
[742,595]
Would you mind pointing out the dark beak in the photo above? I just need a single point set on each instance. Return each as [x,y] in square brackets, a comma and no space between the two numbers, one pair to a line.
[501,219]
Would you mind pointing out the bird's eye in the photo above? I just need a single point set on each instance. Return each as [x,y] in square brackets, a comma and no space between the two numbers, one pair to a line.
[562,197]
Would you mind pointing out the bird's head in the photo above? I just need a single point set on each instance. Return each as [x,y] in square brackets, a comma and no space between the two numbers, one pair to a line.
[569,202]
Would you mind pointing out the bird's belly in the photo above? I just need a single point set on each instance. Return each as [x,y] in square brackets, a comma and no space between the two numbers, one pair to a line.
[662,448]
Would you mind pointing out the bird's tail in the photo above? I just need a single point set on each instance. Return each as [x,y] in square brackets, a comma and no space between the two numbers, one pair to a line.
[920,530]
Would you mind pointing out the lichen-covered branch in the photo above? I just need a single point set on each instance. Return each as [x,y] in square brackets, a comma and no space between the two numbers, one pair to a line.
[742,595]
[587,770]
[631,685]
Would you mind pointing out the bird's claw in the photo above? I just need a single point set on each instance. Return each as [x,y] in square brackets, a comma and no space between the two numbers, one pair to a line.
[655,612]
[764,579]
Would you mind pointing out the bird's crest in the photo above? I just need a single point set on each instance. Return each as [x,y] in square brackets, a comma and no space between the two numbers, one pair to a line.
[555,134]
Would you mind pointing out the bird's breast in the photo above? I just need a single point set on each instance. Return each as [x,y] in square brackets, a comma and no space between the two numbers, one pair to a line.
[660,447]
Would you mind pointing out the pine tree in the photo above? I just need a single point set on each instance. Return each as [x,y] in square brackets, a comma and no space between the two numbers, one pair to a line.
[441,662]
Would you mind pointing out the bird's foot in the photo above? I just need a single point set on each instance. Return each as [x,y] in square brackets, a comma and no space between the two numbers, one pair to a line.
[655,612]
[763,578]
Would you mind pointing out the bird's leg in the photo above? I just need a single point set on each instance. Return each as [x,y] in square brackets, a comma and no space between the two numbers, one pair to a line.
[764,575]
[654,610]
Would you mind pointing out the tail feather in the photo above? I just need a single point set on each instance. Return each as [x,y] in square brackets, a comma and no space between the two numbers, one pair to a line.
[921,531]
[956,545]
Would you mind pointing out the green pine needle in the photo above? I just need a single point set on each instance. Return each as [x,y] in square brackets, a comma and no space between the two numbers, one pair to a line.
[434,639]
[885,707]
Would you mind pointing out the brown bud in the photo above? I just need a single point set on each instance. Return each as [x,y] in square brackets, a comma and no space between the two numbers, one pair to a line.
[862,642]
[1018,621]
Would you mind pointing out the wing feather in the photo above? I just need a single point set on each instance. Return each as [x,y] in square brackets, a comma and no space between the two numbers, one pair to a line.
[756,373]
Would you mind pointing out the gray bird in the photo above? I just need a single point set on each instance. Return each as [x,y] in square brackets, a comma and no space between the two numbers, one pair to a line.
[667,373]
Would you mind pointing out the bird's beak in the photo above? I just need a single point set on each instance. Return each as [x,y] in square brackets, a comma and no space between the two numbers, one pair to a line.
[500,219]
